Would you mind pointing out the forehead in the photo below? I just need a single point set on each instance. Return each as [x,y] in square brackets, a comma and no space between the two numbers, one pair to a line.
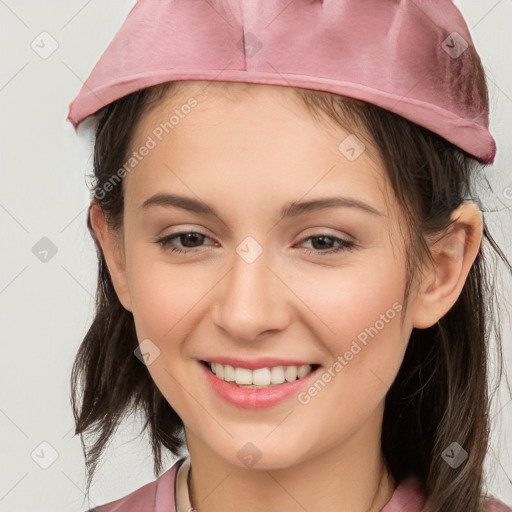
[261,135]
[220,96]
[228,91]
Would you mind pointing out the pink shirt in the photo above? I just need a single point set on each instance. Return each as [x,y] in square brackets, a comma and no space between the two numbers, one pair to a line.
[159,496]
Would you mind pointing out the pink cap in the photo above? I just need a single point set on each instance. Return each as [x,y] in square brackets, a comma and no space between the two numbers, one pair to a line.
[415,58]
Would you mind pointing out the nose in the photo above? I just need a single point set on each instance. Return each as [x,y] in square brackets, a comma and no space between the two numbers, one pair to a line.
[253,299]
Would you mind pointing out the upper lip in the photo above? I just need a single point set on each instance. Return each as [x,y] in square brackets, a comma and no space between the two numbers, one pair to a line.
[254,364]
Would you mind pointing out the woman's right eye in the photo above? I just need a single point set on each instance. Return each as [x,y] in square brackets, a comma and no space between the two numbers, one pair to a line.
[165,242]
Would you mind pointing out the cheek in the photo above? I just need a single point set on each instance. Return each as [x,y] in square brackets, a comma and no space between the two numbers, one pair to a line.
[359,301]
[358,314]
[165,305]
[163,296]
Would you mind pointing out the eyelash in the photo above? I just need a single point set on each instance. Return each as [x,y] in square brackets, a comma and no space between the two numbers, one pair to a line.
[346,245]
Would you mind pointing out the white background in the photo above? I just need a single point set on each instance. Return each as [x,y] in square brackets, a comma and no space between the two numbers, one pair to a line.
[46,308]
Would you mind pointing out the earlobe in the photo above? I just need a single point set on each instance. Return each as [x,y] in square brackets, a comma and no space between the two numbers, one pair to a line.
[112,252]
[453,255]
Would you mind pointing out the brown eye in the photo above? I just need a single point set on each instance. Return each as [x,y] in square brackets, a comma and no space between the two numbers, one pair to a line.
[187,239]
[324,243]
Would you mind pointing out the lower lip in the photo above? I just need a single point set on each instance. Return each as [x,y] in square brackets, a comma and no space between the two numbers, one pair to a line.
[253,398]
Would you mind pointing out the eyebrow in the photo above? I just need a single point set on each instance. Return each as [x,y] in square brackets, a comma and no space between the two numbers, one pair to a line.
[292,209]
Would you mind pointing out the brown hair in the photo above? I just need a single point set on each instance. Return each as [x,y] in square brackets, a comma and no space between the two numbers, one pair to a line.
[440,394]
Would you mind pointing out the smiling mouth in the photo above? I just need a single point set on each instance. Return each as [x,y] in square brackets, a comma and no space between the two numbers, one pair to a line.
[261,377]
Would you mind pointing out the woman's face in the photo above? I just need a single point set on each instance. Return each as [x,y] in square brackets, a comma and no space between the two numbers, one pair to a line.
[256,285]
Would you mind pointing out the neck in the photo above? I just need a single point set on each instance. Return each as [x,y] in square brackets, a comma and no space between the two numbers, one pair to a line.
[350,477]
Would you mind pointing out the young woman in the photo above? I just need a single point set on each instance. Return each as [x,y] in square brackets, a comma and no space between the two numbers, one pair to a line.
[292,281]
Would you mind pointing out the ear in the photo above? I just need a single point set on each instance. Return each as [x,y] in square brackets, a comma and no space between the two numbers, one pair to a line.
[110,244]
[453,255]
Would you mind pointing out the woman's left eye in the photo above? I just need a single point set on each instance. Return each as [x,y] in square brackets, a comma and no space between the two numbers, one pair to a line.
[191,237]
[344,245]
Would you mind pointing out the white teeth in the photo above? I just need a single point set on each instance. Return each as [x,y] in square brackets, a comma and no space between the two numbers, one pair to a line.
[261,377]
[290,373]
[242,376]
[229,373]
[303,370]
[277,374]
